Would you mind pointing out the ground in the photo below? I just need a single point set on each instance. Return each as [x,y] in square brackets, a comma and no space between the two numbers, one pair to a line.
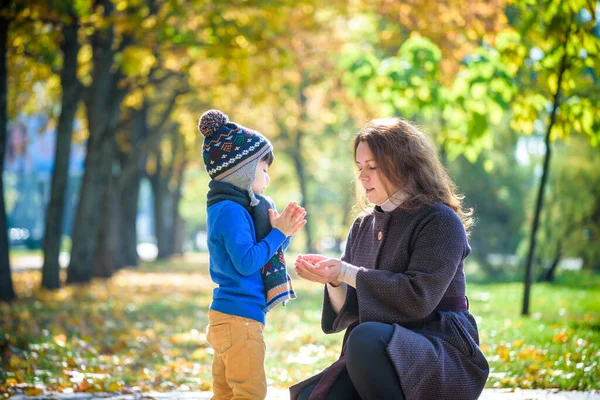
[277,394]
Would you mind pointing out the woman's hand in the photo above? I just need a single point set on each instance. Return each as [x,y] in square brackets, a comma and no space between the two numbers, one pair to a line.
[312,258]
[318,268]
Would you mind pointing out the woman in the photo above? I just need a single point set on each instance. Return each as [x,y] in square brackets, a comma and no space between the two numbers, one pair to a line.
[399,287]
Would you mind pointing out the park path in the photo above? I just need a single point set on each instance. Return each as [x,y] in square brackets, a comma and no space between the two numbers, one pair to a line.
[25,262]
[278,394]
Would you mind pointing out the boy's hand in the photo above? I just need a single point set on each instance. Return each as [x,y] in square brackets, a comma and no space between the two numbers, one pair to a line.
[290,221]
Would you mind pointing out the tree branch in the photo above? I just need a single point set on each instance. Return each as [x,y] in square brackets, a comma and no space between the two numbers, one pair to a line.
[165,115]
[151,142]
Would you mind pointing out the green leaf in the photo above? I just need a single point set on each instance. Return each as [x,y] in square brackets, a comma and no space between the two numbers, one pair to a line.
[477,125]
[552,83]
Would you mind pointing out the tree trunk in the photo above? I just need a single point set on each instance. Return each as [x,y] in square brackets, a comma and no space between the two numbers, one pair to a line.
[299,165]
[87,220]
[162,209]
[179,226]
[443,146]
[115,228]
[129,206]
[164,220]
[106,256]
[301,174]
[7,292]
[540,197]
[548,275]
[346,222]
[166,199]
[102,106]
[179,238]
[130,185]
[71,95]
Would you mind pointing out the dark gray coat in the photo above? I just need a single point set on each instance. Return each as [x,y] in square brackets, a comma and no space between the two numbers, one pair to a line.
[415,261]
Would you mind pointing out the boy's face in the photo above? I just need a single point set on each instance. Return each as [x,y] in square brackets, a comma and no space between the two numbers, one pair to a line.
[261,177]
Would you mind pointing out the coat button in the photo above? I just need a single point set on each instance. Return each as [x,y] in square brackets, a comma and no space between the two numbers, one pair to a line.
[379,235]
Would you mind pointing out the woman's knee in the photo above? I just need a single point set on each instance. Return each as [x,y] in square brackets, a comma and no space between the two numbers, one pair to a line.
[368,362]
[368,339]
[306,392]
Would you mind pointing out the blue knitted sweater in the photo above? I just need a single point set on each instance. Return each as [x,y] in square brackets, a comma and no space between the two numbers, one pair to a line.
[236,259]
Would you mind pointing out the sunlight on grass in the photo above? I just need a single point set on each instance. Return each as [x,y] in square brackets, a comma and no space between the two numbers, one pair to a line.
[557,347]
[144,330]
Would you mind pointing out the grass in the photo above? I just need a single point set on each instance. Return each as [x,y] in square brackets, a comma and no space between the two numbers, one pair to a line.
[145,329]
[558,346]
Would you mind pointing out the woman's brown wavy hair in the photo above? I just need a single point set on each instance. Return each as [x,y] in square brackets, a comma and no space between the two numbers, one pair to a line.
[408,161]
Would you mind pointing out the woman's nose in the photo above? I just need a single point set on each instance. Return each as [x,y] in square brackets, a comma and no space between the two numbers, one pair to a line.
[362,175]
[268,178]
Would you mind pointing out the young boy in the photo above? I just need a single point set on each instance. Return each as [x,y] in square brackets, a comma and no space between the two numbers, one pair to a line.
[246,240]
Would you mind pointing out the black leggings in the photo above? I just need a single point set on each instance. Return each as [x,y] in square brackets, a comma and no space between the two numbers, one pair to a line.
[369,373]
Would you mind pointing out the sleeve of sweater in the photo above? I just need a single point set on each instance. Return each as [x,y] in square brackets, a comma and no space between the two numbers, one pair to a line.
[238,237]
[337,295]
[286,243]
[337,318]
[439,248]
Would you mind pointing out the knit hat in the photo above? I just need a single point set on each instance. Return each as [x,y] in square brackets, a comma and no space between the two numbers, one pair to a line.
[231,151]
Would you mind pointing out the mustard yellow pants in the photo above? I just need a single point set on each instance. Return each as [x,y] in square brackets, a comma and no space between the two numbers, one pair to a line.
[238,368]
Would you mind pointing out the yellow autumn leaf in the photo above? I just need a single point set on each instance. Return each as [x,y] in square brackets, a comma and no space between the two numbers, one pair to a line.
[533,368]
[524,354]
[560,337]
[137,61]
[503,353]
[134,99]
[15,362]
[32,391]
[172,62]
[114,387]
[199,354]
[84,386]
[518,324]
[539,356]
[60,340]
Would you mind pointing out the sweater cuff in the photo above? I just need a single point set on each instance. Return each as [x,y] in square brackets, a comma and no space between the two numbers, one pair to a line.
[278,236]
[337,296]
[348,274]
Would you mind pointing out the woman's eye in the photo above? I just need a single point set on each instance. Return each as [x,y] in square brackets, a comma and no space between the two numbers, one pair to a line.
[372,168]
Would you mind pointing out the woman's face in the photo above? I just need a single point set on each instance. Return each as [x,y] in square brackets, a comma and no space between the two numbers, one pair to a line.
[373,182]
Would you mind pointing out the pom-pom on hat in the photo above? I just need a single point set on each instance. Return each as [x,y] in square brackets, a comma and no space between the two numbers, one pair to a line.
[231,151]
[211,121]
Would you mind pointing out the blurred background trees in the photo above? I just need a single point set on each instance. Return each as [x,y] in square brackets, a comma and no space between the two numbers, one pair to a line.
[103,159]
